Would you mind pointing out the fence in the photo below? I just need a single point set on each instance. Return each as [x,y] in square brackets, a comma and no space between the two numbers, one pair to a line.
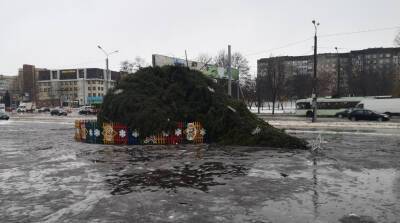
[90,131]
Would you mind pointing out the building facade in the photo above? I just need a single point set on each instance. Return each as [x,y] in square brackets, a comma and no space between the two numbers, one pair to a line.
[9,84]
[364,72]
[73,87]
[26,82]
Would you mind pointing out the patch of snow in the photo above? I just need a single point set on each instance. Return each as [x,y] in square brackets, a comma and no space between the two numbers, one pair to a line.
[232,109]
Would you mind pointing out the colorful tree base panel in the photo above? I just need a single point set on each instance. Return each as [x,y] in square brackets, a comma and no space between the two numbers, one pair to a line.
[90,131]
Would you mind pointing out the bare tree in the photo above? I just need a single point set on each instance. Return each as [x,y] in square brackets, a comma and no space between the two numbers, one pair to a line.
[204,58]
[133,66]
[275,80]
[237,59]
[239,62]
[127,66]
[397,39]
[249,89]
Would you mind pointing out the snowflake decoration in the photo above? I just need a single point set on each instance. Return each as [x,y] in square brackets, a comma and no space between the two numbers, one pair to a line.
[165,134]
[256,131]
[135,134]
[178,132]
[90,132]
[122,133]
[97,132]
[203,132]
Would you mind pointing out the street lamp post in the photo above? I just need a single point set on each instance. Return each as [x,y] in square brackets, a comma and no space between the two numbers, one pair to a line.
[108,78]
[338,73]
[314,93]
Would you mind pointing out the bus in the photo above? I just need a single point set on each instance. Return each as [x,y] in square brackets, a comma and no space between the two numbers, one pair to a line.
[326,106]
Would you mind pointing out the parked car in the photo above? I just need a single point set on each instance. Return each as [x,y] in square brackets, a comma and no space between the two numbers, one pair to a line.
[44,109]
[4,116]
[344,113]
[58,112]
[364,114]
[87,110]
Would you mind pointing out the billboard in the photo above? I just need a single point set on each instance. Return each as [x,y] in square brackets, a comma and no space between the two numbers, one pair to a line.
[208,69]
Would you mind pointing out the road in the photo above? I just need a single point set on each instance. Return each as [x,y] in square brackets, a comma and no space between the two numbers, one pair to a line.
[45,176]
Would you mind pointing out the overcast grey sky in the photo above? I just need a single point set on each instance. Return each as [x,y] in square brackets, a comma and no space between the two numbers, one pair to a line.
[64,33]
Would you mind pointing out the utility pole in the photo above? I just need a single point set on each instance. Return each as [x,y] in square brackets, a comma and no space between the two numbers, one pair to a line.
[107,74]
[238,83]
[338,73]
[229,72]
[314,92]
[187,62]
[258,94]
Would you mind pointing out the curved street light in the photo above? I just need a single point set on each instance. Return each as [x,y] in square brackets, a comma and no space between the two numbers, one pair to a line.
[107,69]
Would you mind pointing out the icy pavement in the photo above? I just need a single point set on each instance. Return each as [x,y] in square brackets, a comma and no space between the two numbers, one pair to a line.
[45,176]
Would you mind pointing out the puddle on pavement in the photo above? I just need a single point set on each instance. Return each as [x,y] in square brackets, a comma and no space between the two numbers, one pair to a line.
[348,195]
[189,176]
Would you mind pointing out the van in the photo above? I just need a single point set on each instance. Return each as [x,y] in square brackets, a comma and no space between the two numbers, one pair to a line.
[389,106]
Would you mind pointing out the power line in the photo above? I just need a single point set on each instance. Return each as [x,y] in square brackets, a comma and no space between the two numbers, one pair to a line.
[280,47]
[322,36]
[360,31]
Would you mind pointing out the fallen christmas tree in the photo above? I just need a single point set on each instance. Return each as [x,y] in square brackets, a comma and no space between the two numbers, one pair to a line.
[155,99]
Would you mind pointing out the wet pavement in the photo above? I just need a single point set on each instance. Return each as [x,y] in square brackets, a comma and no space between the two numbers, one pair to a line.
[45,176]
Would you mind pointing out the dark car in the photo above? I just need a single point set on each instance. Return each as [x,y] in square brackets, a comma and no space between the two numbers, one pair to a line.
[345,113]
[4,116]
[363,114]
[58,112]
[43,109]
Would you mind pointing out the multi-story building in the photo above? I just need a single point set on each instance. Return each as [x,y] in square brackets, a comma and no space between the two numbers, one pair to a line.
[375,71]
[73,86]
[9,84]
[26,82]
[362,72]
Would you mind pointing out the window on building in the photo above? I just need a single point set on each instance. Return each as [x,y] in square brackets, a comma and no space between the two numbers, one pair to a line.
[98,88]
[90,94]
[81,73]
[94,73]
[89,88]
[54,74]
[43,75]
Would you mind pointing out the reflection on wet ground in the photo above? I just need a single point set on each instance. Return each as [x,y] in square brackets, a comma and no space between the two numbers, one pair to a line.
[46,176]
[200,178]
